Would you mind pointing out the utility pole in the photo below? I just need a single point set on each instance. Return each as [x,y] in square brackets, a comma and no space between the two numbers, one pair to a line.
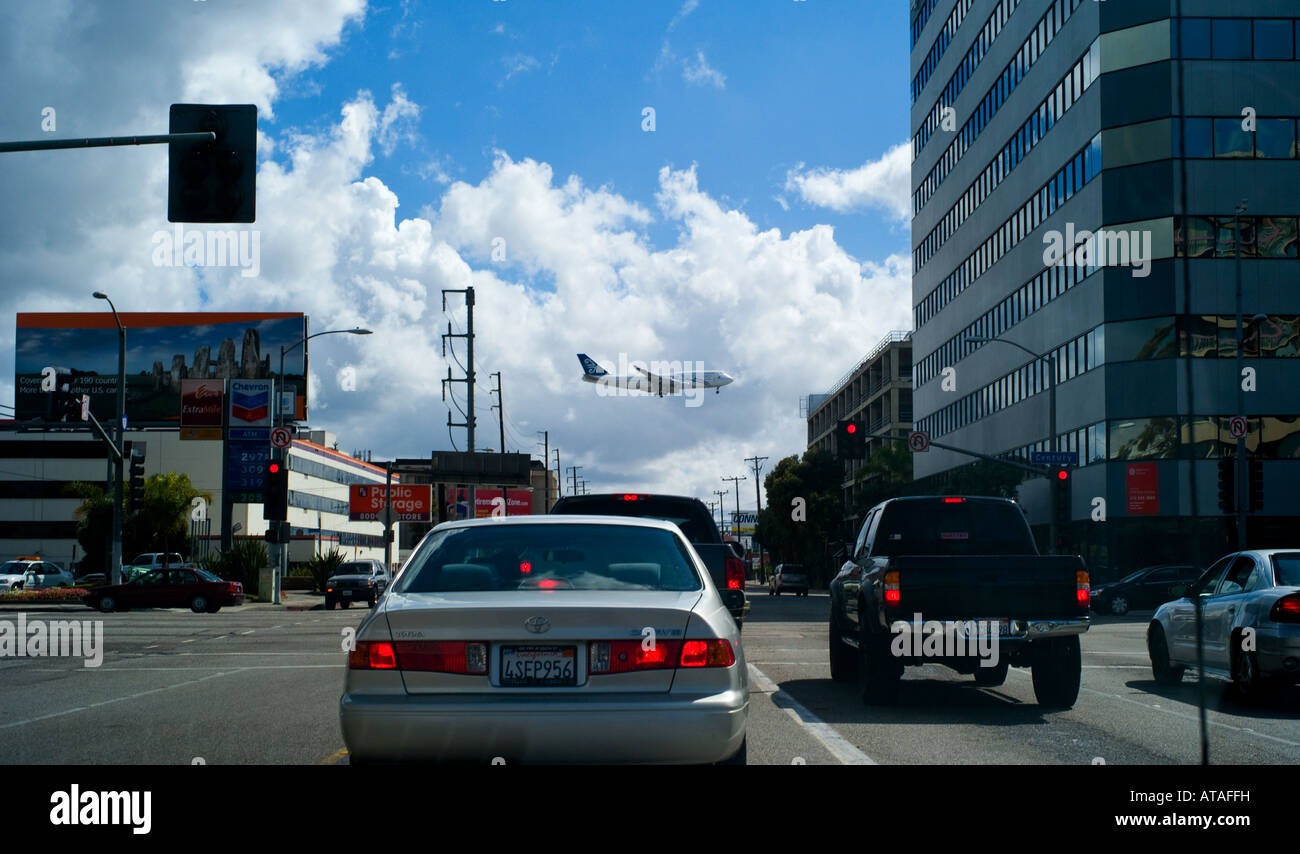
[758,508]
[559,476]
[499,406]
[546,468]
[736,480]
[721,524]
[574,471]
[468,379]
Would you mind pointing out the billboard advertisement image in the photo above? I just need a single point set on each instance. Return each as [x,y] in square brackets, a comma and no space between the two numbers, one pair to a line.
[163,350]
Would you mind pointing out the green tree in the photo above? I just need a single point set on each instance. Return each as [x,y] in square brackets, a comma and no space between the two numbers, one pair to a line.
[162,521]
[804,511]
[888,474]
[94,523]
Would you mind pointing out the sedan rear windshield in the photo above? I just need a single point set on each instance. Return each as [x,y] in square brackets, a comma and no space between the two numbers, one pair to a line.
[691,518]
[549,557]
[1287,565]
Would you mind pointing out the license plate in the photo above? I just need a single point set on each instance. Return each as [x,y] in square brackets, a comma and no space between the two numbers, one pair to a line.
[346,592]
[539,666]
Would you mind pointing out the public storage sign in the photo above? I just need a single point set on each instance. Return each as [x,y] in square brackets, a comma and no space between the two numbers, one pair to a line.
[413,503]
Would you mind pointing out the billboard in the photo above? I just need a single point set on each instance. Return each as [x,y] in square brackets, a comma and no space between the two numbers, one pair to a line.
[1142,489]
[410,503]
[518,502]
[162,351]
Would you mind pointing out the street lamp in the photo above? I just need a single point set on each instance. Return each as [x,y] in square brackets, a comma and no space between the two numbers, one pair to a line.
[115,559]
[283,454]
[1050,358]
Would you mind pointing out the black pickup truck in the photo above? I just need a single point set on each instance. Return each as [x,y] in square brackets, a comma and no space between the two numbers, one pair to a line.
[692,516]
[957,581]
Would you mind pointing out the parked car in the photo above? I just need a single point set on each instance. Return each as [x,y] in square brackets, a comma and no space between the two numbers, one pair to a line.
[724,559]
[32,572]
[356,581]
[155,560]
[1250,594]
[526,638]
[1149,587]
[43,574]
[195,589]
[788,578]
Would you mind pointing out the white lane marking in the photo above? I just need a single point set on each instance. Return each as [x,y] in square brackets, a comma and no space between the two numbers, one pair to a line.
[838,745]
[1195,718]
[249,632]
[135,696]
[188,640]
[211,667]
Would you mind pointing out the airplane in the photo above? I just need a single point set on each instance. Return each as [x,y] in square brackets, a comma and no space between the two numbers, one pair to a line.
[660,384]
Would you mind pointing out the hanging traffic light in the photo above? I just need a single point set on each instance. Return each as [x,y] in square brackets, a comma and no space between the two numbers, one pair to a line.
[1061,486]
[136,479]
[850,439]
[1228,485]
[1255,476]
[276,492]
[215,180]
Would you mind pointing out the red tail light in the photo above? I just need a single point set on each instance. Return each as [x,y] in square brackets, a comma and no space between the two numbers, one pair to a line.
[707,653]
[466,658]
[1082,588]
[893,588]
[624,656]
[234,587]
[735,573]
[372,655]
[630,497]
[1286,609]
[954,501]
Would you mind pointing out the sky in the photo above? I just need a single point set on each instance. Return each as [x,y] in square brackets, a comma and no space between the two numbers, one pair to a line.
[722,182]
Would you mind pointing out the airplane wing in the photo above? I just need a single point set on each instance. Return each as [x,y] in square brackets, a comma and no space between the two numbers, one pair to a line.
[659,384]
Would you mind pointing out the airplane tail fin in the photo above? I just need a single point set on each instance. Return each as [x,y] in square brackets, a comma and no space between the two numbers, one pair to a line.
[589,366]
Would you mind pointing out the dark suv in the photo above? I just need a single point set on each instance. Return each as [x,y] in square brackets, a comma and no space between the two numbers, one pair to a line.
[356,581]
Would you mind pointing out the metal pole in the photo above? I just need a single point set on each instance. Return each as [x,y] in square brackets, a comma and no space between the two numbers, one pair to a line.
[546,469]
[1051,421]
[721,519]
[121,446]
[559,476]
[104,141]
[388,517]
[758,508]
[501,412]
[1240,468]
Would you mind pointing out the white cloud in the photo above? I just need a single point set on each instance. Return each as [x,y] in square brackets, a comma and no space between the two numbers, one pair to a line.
[883,183]
[687,8]
[519,63]
[398,121]
[702,74]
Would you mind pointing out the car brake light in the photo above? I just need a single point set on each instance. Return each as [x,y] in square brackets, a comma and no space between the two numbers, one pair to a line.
[954,501]
[893,595]
[707,653]
[1082,591]
[624,656]
[467,658]
[372,655]
[735,573]
[630,497]
[1286,609]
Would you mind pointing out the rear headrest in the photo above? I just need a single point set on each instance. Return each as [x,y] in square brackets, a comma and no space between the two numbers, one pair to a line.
[467,576]
[636,573]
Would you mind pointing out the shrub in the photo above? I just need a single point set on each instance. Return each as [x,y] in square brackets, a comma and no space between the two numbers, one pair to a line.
[48,595]
[243,563]
[323,565]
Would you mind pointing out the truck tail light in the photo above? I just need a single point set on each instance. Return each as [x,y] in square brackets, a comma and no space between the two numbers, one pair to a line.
[1082,589]
[1286,609]
[735,573]
[893,593]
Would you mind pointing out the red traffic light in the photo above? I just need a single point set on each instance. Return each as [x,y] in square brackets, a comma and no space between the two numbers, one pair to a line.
[273,468]
[851,428]
[1062,475]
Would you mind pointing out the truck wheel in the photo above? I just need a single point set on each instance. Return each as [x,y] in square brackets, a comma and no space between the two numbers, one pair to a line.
[844,658]
[878,674]
[1162,669]
[991,677]
[1058,671]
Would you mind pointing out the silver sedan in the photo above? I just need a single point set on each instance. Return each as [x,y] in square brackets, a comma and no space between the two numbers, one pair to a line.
[549,639]
[1250,619]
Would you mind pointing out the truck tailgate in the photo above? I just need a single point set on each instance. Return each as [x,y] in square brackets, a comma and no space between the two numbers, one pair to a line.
[985,587]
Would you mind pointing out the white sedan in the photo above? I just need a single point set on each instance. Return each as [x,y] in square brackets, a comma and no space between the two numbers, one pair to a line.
[549,639]
[1251,623]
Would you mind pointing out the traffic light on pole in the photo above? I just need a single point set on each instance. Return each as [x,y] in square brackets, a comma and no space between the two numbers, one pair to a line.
[850,440]
[136,478]
[1061,478]
[1228,485]
[1255,476]
[275,496]
[213,180]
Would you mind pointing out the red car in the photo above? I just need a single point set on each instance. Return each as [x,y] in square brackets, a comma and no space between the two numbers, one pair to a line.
[181,587]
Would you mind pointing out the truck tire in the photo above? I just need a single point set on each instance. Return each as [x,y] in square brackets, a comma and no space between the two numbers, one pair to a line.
[844,658]
[1058,671]
[1162,669]
[991,677]
[878,673]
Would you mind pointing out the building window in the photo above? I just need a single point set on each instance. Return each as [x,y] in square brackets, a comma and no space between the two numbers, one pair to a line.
[1274,40]
[1196,38]
[1231,38]
[1144,438]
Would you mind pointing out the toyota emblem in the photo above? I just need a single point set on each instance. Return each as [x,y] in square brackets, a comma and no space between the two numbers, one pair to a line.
[537,625]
